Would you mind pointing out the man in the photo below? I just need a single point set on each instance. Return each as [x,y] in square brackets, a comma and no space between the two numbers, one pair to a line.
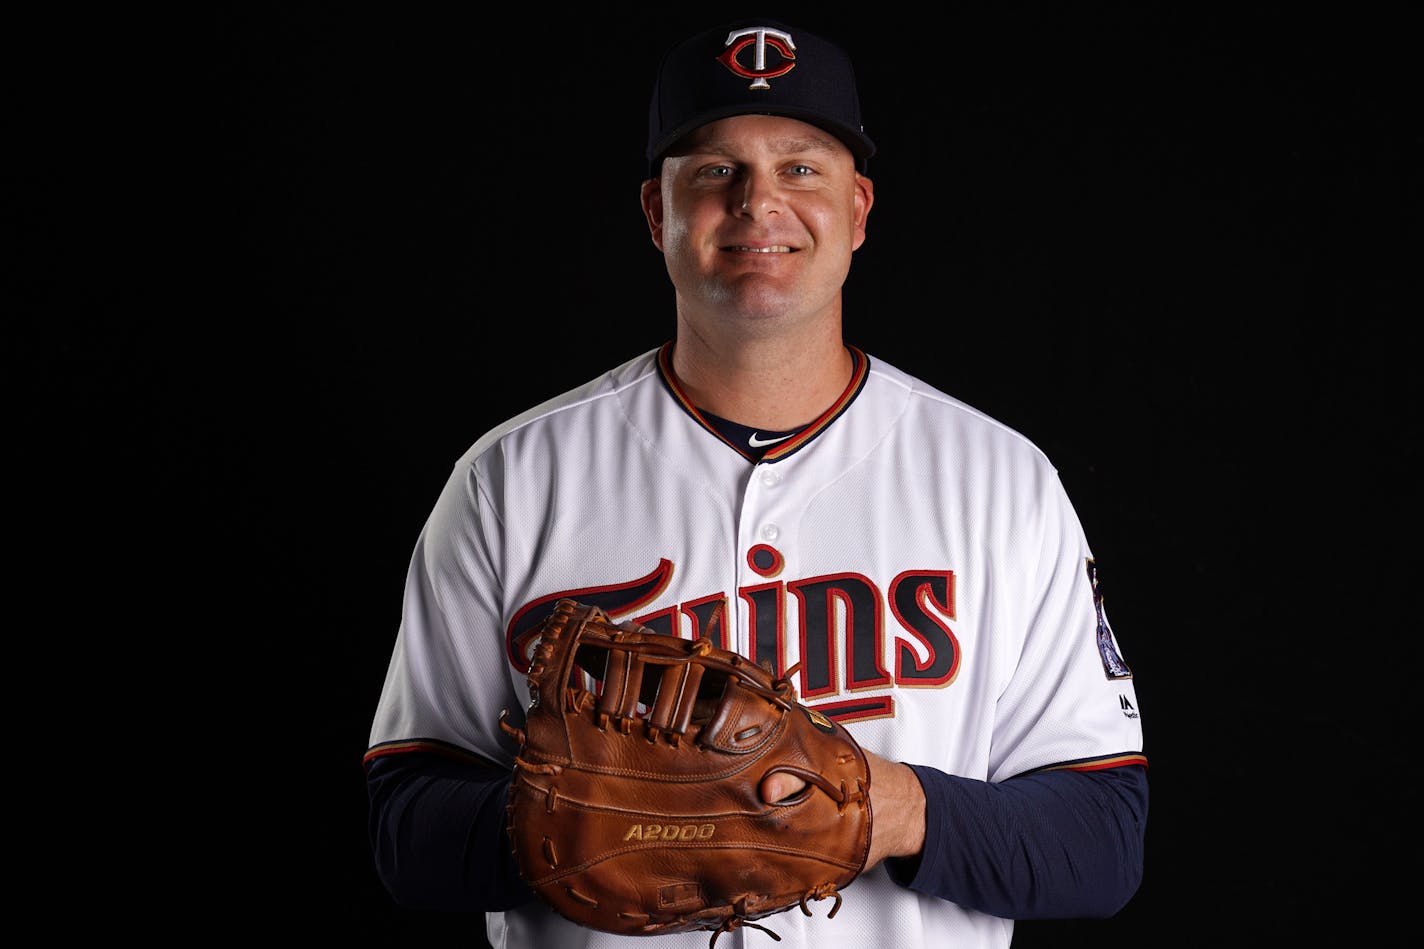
[919,560]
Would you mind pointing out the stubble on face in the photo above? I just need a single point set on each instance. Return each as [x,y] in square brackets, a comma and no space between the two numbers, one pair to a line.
[760,215]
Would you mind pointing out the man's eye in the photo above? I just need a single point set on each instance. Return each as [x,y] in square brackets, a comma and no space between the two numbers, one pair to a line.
[718,171]
[802,170]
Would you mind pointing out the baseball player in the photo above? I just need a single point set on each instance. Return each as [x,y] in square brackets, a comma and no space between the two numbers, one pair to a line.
[916,562]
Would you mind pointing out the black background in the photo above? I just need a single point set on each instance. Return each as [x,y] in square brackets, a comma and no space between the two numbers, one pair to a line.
[280,265]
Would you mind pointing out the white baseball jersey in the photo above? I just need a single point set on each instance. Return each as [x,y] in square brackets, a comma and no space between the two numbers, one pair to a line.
[919,559]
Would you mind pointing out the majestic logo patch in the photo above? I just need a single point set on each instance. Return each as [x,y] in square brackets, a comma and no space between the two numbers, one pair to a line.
[1113,665]
[759,38]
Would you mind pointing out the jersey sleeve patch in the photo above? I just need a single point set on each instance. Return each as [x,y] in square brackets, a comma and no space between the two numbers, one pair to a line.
[1114,667]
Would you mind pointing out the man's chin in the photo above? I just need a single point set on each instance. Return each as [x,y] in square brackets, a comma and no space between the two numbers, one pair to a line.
[756,294]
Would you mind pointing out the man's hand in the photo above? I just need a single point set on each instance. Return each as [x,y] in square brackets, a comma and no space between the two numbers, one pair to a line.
[897,806]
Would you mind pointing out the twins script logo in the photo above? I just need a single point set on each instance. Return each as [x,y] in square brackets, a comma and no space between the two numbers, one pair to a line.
[759,38]
[852,638]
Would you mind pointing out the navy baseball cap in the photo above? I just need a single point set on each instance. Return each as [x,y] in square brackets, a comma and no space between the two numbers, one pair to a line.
[758,67]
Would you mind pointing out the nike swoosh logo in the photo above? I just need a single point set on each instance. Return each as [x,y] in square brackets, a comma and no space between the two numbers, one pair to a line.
[756,442]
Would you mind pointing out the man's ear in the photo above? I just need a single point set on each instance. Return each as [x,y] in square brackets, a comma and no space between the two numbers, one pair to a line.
[652,199]
[864,198]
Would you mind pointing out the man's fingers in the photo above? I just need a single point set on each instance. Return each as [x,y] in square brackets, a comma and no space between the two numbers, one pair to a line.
[778,786]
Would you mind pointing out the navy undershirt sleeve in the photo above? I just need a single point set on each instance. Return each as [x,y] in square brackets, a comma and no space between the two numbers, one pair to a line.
[437,833]
[1048,845]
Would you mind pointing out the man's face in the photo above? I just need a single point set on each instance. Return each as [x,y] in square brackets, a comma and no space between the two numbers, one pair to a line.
[757,217]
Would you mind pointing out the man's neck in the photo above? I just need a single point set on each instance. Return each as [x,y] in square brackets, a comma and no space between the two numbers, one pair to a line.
[776,385]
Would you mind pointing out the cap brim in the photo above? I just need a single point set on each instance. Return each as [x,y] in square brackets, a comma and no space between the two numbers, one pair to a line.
[860,145]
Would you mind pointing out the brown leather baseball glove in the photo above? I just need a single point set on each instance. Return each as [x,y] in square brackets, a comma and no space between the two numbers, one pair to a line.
[635,804]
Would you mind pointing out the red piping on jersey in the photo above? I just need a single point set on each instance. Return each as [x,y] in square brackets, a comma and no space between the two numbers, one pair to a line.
[1096,764]
[431,745]
[860,371]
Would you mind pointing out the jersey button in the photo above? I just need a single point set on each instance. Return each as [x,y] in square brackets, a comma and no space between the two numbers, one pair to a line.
[770,532]
[770,478]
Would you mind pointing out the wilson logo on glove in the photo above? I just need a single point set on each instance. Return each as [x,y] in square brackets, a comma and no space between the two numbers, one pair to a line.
[636,807]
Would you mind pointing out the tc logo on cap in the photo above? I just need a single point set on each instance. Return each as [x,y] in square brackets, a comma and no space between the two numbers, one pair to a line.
[759,38]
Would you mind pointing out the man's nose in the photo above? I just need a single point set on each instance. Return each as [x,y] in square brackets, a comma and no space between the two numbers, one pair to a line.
[759,195]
